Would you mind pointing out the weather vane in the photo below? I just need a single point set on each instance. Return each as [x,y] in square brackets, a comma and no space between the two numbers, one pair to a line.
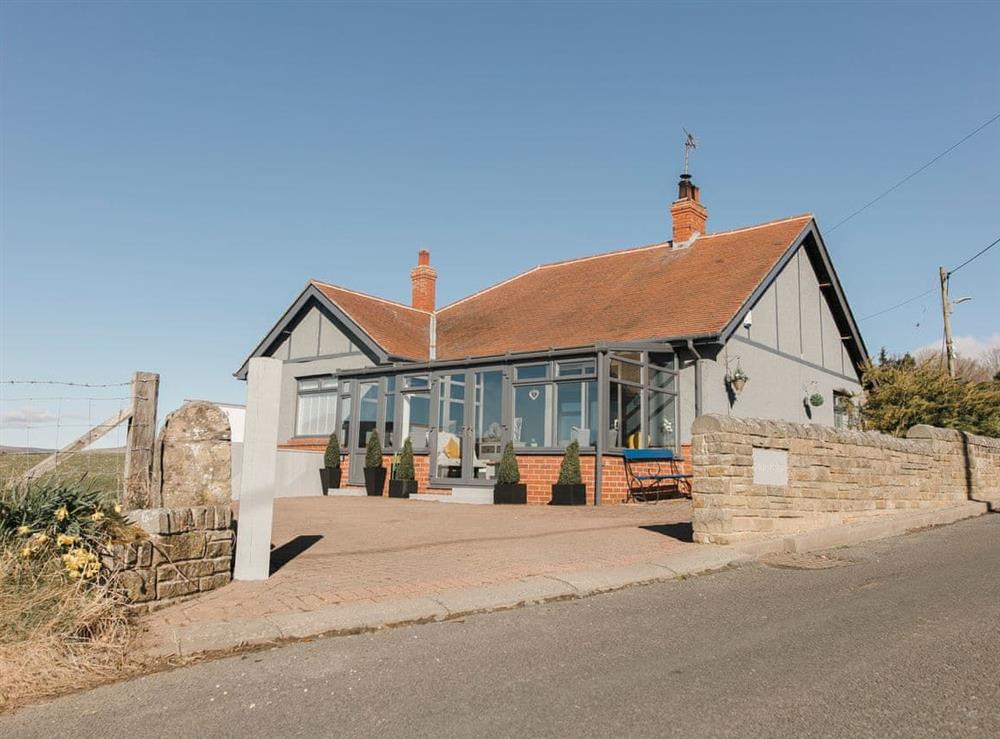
[689,144]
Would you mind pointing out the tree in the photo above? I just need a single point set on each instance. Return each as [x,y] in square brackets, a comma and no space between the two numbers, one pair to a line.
[508,472]
[899,395]
[331,457]
[569,470]
[373,452]
[404,467]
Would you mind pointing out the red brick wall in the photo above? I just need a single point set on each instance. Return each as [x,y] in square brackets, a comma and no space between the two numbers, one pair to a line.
[538,472]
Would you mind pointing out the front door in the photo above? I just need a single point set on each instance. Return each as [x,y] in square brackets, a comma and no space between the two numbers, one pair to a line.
[468,426]
[451,429]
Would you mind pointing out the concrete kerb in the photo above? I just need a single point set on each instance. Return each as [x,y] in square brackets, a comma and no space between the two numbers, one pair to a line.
[838,536]
[188,641]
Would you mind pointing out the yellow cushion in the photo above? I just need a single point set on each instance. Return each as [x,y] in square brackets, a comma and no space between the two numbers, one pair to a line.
[452,449]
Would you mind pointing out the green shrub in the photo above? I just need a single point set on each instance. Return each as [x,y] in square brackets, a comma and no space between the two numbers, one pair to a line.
[59,520]
[404,467]
[569,470]
[331,457]
[507,470]
[373,452]
[903,393]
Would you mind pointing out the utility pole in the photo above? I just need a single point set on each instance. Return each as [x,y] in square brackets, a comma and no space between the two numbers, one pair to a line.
[949,348]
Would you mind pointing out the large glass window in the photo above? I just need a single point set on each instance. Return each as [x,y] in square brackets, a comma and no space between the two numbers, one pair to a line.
[389,406]
[316,411]
[532,418]
[576,413]
[415,416]
[345,416]
[367,410]
[662,416]
[642,400]
[488,424]
[451,425]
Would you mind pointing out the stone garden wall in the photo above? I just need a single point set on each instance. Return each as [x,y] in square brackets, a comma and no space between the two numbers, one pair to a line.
[755,477]
[188,550]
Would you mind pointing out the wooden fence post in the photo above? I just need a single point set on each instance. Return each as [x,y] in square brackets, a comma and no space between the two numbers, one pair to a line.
[141,441]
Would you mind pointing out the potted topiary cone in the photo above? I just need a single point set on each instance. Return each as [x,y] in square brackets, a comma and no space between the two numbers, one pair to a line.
[404,482]
[374,471]
[329,473]
[508,487]
[570,490]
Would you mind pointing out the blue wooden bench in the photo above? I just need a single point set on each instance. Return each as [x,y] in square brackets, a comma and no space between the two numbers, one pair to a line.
[653,472]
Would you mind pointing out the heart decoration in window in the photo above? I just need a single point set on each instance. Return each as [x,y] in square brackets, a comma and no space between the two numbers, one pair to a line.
[533,394]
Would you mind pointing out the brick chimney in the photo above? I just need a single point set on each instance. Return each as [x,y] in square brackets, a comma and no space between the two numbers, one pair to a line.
[687,212]
[424,279]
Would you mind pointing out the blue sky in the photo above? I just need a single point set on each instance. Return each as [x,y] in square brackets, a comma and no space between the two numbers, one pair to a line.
[172,174]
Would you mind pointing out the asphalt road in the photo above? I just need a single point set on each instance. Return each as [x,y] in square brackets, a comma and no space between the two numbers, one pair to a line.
[902,640]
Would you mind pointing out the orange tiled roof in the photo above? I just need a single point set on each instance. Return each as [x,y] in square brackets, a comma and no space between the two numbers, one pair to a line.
[399,329]
[645,293]
[649,292]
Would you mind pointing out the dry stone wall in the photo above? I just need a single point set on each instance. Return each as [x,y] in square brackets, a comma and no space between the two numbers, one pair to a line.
[188,550]
[756,477]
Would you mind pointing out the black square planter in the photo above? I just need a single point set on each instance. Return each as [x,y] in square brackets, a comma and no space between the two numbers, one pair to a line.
[569,495]
[329,478]
[375,480]
[510,494]
[402,488]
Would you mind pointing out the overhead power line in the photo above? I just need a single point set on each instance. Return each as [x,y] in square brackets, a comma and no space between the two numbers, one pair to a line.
[913,174]
[898,305]
[974,257]
[927,292]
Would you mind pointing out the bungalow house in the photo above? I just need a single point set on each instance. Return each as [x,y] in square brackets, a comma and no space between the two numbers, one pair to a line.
[616,350]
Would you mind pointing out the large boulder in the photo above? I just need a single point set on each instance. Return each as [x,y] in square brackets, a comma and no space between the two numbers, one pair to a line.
[195,460]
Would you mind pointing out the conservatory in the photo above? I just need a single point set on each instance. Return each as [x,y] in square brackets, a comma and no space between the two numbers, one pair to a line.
[460,416]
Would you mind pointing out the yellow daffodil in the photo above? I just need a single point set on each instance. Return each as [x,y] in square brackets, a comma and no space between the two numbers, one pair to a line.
[61,514]
[40,538]
[26,551]
[64,540]
[96,516]
[118,507]
[22,530]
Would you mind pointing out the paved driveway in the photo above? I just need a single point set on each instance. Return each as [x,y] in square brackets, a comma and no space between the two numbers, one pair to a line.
[330,551]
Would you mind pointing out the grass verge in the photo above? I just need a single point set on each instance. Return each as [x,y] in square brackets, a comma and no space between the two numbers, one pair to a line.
[56,634]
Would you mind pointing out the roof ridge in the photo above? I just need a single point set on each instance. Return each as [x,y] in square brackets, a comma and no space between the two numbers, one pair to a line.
[368,295]
[775,222]
[487,289]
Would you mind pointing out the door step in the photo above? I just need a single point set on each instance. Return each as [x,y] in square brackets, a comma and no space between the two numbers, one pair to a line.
[347,493]
[469,496]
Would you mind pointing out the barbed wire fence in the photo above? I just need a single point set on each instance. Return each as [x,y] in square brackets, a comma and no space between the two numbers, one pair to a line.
[50,428]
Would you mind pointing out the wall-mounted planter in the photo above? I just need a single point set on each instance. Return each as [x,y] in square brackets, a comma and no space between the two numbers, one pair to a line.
[374,480]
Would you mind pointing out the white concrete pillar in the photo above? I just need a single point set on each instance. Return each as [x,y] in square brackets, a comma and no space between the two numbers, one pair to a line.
[260,462]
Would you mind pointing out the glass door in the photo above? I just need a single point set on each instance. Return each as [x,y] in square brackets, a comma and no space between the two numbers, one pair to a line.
[366,423]
[487,425]
[450,427]
[468,425]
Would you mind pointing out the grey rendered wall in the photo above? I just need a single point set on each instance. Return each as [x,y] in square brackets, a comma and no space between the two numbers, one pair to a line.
[777,385]
[794,317]
[792,349]
[314,346]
